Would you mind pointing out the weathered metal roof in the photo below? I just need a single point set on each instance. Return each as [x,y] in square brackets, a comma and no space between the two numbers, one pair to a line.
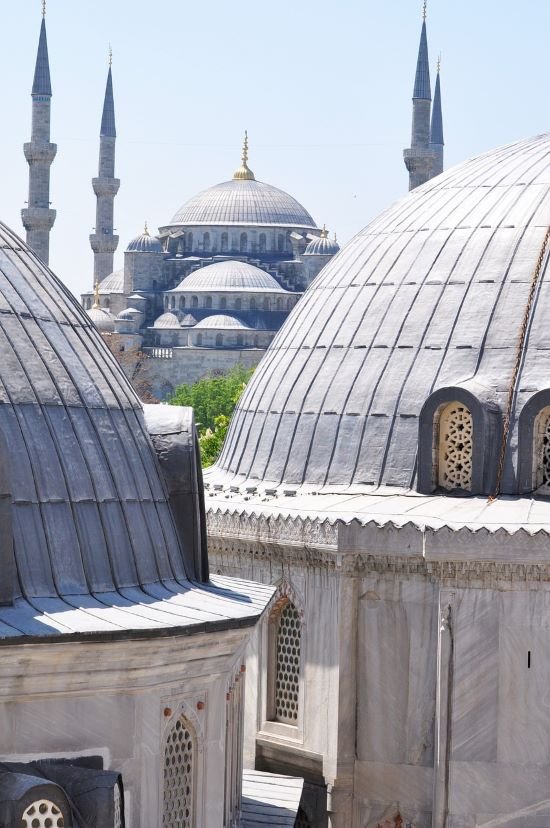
[436,131]
[229,276]
[430,294]
[422,87]
[42,83]
[270,800]
[108,126]
[244,202]
[96,544]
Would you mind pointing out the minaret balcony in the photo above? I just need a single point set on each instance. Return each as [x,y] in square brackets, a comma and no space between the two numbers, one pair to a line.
[103,242]
[38,218]
[40,153]
[106,187]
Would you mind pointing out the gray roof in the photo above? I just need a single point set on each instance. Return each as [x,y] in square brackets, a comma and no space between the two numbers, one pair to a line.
[96,546]
[270,800]
[114,283]
[323,246]
[244,202]
[436,131]
[144,243]
[42,83]
[102,319]
[430,294]
[230,276]
[220,321]
[422,87]
[108,127]
[167,320]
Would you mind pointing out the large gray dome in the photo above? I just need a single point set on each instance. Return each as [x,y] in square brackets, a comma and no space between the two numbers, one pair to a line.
[430,295]
[243,202]
[230,276]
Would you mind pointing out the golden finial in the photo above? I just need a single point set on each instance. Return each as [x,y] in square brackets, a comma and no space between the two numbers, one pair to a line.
[335,239]
[110,55]
[145,230]
[425,10]
[324,232]
[439,63]
[96,294]
[43,8]
[244,173]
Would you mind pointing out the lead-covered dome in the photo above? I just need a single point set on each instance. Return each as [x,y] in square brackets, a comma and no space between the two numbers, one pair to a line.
[229,276]
[429,299]
[243,201]
[144,243]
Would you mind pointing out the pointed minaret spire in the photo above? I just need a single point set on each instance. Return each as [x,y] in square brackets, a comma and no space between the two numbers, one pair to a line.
[103,241]
[437,142]
[418,159]
[38,218]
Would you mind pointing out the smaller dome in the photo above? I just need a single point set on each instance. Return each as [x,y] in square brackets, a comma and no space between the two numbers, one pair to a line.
[102,319]
[188,321]
[167,320]
[145,243]
[114,283]
[323,246]
[230,276]
[128,313]
[220,320]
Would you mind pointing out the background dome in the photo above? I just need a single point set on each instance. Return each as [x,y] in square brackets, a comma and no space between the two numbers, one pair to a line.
[323,246]
[167,320]
[145,243]
[102,319]
[431,294]
[230,276]
[114,283]
[245,202]
[221,321]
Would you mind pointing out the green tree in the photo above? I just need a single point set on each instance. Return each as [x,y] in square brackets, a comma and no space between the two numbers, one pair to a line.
[214,399]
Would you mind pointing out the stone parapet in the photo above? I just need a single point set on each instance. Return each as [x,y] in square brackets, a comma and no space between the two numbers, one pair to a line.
[37,152]
[106,187]
[38,218]
[103,242]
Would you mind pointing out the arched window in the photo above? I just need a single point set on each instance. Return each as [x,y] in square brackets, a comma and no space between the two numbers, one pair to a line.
[244,243]
[279,304]
[43,812]
[194,302]
[263,243]
[208,302]
[106,302]
[198,340]
[455,447]
[256,341]
[206,241]
[252,304]
[280,243]
[224,243]
[266,304]
[166,301]
[219,340]
[189,242]
[182,302]
[238,304]
[223,302]
[289,304]
[178,808]
[240,340]
[541,464]
[173,302]
[284,667]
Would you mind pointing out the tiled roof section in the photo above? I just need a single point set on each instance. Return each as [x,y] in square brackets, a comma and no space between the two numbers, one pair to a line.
[246,203]
[422,87]
[230,276]
[108,126]
[436,132]
[94,536]
[42,83]
[430,293]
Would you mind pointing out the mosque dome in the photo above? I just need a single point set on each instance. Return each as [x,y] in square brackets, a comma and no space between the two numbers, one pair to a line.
[129,314]
[220,321]
[322,246]
[167,320]
[424,305]
[230,276]
[114,283]
[102,319]
[244,201]
[144,243]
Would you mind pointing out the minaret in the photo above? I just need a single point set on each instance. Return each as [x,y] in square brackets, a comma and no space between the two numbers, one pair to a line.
[38,218]
[419,158]
[437,143]
[103,241]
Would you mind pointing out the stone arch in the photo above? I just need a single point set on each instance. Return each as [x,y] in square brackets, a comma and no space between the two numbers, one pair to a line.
[224,242]
[533,422]
[285,657]
[180,771]
[243,243]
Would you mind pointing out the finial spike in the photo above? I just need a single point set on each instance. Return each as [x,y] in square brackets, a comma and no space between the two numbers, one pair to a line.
[96,294]
[110,55]
[244,173]
[439,63]
[43,8]
[324,232]
[245,147]
[145,230]
[335,239]
[425,10]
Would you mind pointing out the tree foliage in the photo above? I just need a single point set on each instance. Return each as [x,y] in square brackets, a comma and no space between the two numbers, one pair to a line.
[214,399]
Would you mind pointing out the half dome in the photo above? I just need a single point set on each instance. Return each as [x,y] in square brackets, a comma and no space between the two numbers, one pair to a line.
[220,321]
[167,320]
[243,202]
[431,295]
[230,276]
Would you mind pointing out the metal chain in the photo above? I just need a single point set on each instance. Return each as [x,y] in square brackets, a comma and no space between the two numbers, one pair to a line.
[517,364]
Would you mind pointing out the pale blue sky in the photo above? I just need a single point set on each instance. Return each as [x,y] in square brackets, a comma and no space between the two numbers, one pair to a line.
[323,88]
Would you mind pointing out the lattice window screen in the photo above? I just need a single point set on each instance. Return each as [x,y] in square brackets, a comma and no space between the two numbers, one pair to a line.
[543,451]
[42,814]
[455,447]
[301,819]
[179,777]
[287,681]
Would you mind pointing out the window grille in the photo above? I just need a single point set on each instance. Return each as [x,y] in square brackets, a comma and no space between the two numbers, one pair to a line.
[117,822]
[542,449]
[301,819]
[287,679]
[455,447]
[42,814]
[179,777]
